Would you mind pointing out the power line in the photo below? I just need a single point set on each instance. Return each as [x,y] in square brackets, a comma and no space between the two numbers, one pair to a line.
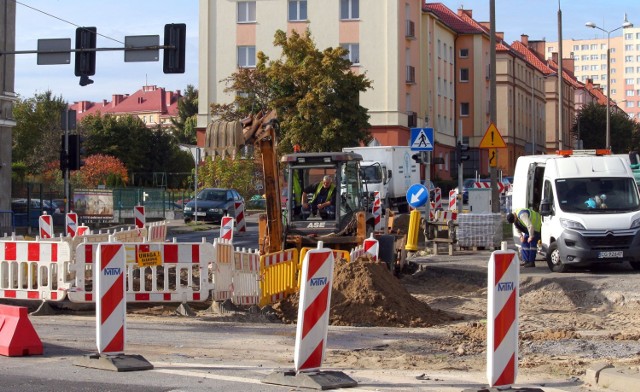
[65,21]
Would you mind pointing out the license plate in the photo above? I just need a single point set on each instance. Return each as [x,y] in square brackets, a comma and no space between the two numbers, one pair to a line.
[610,255]
[201,214]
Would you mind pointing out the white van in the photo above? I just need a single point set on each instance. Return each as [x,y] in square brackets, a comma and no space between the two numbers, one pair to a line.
[589,204]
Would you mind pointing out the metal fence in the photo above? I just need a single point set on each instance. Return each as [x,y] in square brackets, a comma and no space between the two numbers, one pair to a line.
[7,223]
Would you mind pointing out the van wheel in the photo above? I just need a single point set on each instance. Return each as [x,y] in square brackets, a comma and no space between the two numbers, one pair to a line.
[635,265]
[553,259]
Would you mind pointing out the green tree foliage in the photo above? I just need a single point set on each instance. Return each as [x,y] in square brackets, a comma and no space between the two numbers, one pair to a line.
[184,126]
[315,94]
[143,151]
[590,125]
[37,135]
[228,173]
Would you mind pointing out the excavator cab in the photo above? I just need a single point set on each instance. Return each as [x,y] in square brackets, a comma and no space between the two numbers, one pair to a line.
[336,214]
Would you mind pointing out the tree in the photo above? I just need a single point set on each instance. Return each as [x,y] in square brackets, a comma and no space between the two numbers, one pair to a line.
[228,173]
[36,136]
[102,169]
[184,126]
[316,95]
[590,126]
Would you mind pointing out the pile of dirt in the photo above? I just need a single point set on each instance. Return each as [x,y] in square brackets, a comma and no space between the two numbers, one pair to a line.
[364,293]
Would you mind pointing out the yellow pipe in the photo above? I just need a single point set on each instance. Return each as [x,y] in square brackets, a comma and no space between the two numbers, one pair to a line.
[412,236]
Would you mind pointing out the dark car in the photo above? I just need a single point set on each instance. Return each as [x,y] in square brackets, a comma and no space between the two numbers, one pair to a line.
[212,204]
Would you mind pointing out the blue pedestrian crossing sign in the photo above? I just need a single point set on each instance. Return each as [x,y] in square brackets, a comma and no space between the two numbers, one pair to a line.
[421,139]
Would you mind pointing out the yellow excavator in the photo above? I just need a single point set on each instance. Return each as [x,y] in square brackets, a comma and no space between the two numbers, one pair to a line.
[286,224]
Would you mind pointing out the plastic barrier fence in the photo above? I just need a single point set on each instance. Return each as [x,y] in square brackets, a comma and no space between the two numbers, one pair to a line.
[222,270]
[246,275]
[155,272]
[157,232]
[279,275]
[34,270]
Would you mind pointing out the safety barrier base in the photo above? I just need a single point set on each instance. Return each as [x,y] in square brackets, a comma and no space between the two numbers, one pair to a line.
[320,380]
[115,363]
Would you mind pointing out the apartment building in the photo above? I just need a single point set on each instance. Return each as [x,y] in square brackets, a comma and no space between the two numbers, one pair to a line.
[590,58]
[152,104]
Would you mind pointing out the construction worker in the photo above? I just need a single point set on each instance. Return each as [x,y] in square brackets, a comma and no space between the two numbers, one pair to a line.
[528,224]
[322,200]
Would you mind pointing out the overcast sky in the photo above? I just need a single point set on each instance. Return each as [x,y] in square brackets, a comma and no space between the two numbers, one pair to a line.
[116,19]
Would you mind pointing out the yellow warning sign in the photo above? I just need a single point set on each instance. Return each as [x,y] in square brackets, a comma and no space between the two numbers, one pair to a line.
[492,138]
[493,157]
[149,259]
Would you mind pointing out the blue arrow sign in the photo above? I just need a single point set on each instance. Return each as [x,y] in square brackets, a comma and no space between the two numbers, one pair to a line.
[421,139]
[417,195]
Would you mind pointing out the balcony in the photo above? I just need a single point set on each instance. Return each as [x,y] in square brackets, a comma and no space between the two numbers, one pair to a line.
[411,74]
[410,31]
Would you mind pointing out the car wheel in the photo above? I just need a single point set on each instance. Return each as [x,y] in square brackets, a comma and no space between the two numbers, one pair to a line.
[553,259]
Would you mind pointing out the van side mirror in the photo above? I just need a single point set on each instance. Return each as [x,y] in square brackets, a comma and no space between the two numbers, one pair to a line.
[546,207]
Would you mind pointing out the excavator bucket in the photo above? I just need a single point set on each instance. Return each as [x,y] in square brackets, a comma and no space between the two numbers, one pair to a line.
[223,138]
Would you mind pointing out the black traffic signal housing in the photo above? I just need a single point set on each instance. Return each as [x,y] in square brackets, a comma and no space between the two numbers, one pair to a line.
[420,157]
[63,156]
[76,152]
[461,148]
[175,36]
[85,53]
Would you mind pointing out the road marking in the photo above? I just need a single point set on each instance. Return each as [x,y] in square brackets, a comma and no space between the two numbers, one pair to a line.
[188,373]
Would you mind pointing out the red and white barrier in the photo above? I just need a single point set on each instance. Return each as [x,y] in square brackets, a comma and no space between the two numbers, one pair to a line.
[17,335]
[453,200]
[139,216]
[46,226]
[313,311]
[34,270]
[83,230]
[246,274]
[151,282]
[71,223]
[377,211]
[226,228]
[371,247]
[437,199]
[502,318]
[111,307]
[157,232]
[241,224]
[223,270]
[432,211]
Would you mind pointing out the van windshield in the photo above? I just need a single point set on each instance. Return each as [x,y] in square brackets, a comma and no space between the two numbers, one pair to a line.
[372,174]
[597,195]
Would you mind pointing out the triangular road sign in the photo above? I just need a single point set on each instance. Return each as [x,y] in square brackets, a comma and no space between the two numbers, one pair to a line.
[492,138]
[422,141]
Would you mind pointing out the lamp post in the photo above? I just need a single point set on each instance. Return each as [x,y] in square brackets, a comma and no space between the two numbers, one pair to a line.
[625,25]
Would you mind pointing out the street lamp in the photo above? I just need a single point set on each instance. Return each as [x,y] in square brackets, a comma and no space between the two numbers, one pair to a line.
[625,25]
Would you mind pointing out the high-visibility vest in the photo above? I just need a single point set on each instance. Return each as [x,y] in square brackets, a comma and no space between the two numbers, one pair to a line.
[534,217]
[319,188]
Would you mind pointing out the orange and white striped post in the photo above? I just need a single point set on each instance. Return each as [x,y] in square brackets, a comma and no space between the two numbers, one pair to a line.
[226,228]
[241,225]
[502,318]
[46,228]
[371,247]
[139,216]
[111,306]
[71,221]
[377,211]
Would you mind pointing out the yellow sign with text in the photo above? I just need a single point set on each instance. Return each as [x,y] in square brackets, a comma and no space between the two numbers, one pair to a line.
[492,138]
[149,259]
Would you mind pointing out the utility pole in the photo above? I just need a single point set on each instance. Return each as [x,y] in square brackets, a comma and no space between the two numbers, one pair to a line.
[495,197]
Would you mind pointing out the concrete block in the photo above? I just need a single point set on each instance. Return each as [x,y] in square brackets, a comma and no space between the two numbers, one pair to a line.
[593,372]
[621,380]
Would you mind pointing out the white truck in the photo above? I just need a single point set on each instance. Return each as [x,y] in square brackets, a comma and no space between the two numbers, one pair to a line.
[589,204]
[389,170]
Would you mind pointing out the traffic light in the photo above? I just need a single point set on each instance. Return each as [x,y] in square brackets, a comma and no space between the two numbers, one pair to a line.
[63,156]
[419,157]
[174,35]
[85,60]
[74,161]
[461,148]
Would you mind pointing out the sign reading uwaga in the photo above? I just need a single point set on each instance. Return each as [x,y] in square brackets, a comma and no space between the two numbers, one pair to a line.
[149,259]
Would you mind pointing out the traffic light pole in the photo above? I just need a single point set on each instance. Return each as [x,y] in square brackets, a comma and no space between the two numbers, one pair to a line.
[66,166]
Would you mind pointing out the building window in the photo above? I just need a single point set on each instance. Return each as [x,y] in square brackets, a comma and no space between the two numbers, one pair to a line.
[297,10]
[246,11]
[354,53]
[575,48]
[594,57]
[628,69]
[594,46]
[584,47]
[464,74]
[628,36]
[464,53]
[628,47]
[585,57]
[349,9]
[628,59]
[464,109]
[246,56]
[613,91]
[629,93]
[594,67]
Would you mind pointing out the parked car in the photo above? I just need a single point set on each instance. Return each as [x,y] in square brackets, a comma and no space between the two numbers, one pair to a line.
[212,204]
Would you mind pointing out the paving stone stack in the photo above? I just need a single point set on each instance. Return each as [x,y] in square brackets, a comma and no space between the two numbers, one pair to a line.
[480,230]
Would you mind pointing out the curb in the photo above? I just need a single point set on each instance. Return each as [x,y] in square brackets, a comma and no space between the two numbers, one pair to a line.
[607,376]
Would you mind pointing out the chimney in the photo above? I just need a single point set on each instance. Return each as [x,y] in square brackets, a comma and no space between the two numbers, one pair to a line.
[468,13]
[104,103]
[524,39]
[167,97]
[500,36]
[116,99]
[554,57]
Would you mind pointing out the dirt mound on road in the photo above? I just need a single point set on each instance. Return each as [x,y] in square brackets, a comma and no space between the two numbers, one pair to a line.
[364,293]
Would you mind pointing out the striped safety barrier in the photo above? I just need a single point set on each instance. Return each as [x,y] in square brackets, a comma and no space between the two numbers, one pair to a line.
[241,224]
[371,247]
[226,228]
[222,270]
[246,275]
[156,272]
[34,270]
[278,275]
[46,226]
[139,216]
[111,307]
[313,310]
[377,211]
[453,200]
[157,232]
[437,199]
[502,318]
[71,224]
